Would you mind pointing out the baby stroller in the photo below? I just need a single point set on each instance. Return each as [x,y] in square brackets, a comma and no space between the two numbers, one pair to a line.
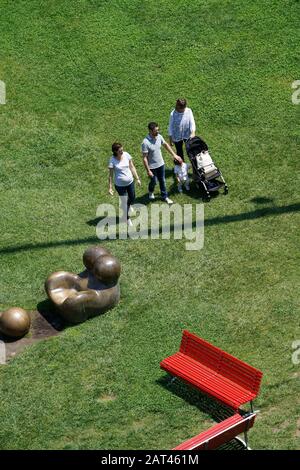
[206,175]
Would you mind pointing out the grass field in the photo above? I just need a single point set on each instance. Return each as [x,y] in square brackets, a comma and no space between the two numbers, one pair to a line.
[79,75]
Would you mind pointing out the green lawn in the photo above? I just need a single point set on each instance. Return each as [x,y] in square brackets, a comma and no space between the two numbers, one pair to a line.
[79,75]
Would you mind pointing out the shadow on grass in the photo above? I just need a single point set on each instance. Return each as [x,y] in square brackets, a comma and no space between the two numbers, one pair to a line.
[262,200]
[217,411]
[226,219]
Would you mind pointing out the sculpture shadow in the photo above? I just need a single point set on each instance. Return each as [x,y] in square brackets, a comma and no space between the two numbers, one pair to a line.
[44,324]
[48,311]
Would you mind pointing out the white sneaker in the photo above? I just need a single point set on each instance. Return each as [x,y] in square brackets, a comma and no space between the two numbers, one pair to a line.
[168,201]
[129,223]
[151,196]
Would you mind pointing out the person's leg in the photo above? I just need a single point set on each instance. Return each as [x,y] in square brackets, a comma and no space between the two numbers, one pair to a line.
[131,195]
[122,191]
[152,182]
[179,150]
[160,173]
[187,184]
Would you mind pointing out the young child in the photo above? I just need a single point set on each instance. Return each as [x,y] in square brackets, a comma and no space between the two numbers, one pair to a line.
[181,173]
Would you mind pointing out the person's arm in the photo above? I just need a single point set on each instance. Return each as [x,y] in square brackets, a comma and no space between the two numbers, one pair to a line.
[146,165]
[171,152]
[193,124]
[110,178]
[134,172]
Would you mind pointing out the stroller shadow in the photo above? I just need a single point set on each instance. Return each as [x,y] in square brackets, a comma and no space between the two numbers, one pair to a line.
[262,200]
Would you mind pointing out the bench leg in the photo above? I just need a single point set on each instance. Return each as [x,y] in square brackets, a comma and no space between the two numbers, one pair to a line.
[245,442]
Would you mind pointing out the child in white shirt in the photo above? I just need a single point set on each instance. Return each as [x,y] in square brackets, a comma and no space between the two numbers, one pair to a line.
[181,173]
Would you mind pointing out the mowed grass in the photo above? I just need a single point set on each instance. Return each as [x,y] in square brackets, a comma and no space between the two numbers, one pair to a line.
[80,75]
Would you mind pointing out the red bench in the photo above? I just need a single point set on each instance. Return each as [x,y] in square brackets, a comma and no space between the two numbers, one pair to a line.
[213,371]
[220,433]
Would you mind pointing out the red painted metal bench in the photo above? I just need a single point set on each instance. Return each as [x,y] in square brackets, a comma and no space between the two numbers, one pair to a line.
[213,371]
[221,433]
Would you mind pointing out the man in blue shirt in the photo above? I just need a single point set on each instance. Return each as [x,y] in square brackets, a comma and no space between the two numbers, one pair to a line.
[154,162]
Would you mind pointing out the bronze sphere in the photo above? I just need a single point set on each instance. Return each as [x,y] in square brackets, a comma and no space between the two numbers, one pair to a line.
[14,322]
[91,254]
[107,269]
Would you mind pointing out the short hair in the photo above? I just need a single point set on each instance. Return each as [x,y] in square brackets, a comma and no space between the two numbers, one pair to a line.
[115,147]
[152,125]
[181,103]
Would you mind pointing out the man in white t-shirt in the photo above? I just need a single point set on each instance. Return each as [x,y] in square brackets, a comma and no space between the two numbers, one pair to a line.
[154,162]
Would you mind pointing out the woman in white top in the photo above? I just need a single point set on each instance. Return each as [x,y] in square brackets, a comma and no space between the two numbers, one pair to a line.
[181,126]
[121,167]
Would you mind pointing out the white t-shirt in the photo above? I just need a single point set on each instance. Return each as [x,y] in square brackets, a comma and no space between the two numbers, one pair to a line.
[122,172]
[182,171]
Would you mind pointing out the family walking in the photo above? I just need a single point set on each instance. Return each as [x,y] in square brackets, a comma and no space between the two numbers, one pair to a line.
[122,169]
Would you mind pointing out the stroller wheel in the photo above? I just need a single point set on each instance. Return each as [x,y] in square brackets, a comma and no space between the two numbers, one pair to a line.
[226,189]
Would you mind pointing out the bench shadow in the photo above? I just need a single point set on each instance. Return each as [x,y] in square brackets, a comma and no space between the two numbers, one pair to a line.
[232,445]
[217,411]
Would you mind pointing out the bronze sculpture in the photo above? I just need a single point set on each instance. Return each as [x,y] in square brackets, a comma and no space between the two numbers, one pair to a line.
[94,291]
[14,322]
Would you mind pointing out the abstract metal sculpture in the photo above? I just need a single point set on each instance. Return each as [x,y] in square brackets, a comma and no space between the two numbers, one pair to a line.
[14,322]
[90,293]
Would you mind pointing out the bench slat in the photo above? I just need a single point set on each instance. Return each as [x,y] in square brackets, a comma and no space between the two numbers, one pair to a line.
[217,359]
[209,381]
[219,433]
[213,371]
